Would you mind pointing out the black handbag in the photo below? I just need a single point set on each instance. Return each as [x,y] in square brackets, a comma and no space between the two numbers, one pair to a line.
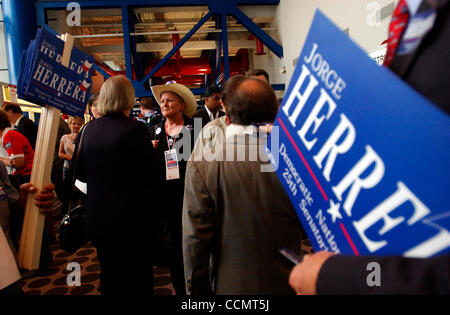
[15,181]
[72,228]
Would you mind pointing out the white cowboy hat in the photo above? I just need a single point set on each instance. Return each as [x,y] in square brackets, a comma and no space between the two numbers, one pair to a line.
[182,91]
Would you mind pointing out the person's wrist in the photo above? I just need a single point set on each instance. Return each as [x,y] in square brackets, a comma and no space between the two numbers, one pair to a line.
[325,274]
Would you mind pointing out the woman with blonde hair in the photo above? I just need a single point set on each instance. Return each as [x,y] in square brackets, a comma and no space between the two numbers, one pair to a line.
[112,151]
[67,143]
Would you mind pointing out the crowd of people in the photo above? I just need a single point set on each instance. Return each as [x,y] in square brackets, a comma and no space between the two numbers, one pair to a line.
[18,143]
[18,137]
[147,196]
[216,220]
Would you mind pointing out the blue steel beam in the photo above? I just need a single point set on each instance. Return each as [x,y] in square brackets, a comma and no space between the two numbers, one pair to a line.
[221,8]
[126,42]
[102,72]
[51,30]
[278,87]
[143,93]
[156,3]
[177,47]
[199,91]
[41,18]
[226,59]
[218,60]
[257,31]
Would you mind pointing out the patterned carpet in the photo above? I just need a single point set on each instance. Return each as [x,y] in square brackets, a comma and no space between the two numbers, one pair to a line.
[54,280]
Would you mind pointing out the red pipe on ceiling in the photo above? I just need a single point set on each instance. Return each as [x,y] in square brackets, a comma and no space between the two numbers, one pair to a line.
[189,71]
[197,66]
[259,48]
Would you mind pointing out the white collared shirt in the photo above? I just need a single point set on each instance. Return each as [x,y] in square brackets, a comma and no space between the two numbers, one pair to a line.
[419,25]
[234,130]
[210,114]
[413,6]
[16,124]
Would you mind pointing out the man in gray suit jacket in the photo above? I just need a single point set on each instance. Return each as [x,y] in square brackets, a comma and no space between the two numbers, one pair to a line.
[235,216]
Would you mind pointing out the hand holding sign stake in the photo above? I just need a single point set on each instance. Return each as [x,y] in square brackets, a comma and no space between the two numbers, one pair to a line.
[33,225]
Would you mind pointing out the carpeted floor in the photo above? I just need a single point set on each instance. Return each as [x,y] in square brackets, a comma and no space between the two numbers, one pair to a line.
[54,280]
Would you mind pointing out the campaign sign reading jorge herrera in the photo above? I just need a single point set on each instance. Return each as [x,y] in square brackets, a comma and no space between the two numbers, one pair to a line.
[45,81]
[363,157]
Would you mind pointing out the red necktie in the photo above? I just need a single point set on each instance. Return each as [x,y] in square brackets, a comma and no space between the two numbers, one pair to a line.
[396,29]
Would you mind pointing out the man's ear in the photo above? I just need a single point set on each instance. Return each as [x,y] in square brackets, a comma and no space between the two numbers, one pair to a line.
[183,105]
[227,120]
[223,106]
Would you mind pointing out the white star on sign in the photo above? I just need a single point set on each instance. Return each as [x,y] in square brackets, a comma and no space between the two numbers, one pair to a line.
[334,211]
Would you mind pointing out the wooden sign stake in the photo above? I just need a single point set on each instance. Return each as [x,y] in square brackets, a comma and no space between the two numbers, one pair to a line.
[33,223]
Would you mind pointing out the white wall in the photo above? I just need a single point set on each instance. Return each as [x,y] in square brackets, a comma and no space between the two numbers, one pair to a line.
[294,17]
[269,62]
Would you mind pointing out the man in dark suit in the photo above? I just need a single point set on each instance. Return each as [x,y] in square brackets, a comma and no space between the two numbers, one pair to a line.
[21,123]
[422,60]
[426,67]
[211,111]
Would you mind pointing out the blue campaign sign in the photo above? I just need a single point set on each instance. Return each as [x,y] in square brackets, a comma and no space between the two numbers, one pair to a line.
[363,157]
[45,81]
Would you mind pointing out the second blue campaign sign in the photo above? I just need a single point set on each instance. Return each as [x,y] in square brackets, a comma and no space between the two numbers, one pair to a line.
[363,157]
[45,81]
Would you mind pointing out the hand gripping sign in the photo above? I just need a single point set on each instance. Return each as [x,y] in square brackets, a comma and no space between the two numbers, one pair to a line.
[363,157]
[55,75]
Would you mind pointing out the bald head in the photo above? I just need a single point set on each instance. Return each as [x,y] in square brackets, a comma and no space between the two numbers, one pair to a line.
[252,101]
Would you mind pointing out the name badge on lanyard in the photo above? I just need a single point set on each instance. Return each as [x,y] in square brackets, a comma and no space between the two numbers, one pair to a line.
[172,169]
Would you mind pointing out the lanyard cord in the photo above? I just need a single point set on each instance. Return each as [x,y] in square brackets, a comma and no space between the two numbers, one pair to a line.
[174,140]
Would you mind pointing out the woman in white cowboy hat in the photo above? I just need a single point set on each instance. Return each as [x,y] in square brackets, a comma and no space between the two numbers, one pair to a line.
[173,141]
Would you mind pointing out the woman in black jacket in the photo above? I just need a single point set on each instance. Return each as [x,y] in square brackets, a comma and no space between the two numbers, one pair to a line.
[113,151]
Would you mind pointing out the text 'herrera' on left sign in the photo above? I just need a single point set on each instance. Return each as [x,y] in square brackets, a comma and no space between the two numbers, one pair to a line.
[44,81]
